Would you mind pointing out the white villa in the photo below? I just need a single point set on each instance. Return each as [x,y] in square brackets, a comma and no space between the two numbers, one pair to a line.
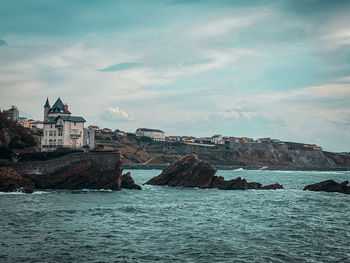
[157,135]
[60,128]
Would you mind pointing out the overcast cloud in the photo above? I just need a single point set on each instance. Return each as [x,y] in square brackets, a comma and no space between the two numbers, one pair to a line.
[239,68]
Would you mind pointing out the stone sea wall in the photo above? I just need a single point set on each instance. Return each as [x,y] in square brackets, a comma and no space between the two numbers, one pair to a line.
[105,161]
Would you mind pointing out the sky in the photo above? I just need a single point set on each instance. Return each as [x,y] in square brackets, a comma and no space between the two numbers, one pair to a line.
[274,68]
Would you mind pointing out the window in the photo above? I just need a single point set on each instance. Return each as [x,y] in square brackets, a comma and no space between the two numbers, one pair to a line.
[75,123]
[54,133]
[51,126]
[59,132]
[50,133]
[45,133]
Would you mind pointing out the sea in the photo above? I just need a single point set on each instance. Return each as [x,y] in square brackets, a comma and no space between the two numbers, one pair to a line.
[171,224]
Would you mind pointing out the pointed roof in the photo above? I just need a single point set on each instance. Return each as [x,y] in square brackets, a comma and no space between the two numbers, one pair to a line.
[58,104]
[47,104]
[52,120]
[58,107]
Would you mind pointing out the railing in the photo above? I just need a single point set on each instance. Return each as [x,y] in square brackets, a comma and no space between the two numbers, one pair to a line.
[75,136]
[52,146]
[58,125]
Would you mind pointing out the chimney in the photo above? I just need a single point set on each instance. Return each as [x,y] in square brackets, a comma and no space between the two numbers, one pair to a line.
[66,107]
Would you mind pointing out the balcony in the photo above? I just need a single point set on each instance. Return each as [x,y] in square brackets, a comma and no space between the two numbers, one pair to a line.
[52,146]
[75,136]
[59,126]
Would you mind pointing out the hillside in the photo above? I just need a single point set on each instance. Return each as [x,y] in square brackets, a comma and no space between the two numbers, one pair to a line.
[14,138]
[282,155]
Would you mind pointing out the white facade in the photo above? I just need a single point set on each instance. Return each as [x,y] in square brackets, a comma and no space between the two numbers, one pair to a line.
[157,135]
[61,129]
[89,138]
[217,139]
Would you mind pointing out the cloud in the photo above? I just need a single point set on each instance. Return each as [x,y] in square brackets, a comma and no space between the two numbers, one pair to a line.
[122,66]
[116,114]
[341,120]
[3,42]
[250,69]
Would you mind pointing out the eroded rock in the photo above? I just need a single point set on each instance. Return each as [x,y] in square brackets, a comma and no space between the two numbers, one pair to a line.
[82,175]
[329,186]
[11,181]
[128,182]
[192,172]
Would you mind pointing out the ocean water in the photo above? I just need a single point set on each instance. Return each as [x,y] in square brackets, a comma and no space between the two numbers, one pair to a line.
[164,224]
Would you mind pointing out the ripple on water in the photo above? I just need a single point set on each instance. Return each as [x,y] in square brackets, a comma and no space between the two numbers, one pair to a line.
[180,225]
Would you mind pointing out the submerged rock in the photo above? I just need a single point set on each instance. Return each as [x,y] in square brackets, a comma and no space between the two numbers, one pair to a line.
[329,186]
[128,182]
[11,181]
[192,172]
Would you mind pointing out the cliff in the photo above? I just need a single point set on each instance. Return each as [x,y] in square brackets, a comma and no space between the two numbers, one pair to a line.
[143,154]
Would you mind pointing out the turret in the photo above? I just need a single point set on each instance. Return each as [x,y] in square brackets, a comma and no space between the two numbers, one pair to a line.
[46,109]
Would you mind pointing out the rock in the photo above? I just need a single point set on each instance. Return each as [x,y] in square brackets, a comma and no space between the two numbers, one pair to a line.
[77,176]
[272,187]
[329,186]
[191,172]
[187,172]
[128,182]
[11,181]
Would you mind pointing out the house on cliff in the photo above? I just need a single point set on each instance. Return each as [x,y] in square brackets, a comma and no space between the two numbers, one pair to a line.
[156,135]
[61,129]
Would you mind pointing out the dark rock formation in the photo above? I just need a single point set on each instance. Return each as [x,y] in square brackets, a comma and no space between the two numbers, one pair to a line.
[11,181]
[75,171]
[191,172]
[82,175]
[128,182]
[329,186]
[187,172]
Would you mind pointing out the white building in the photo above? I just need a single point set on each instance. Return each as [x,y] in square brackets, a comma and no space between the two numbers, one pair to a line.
[89,138]
[157,135]
[60,128]
[217,139]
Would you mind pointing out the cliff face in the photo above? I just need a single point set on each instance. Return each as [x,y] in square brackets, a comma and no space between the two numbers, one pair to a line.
[248,155]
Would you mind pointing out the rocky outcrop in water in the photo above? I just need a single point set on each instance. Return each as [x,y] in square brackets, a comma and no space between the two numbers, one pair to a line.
[82,175]
[11,181]
[329,186]
[76,171]
[192,172]
[128,182]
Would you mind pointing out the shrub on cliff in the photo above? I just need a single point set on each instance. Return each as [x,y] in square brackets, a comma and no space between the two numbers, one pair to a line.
[13,135]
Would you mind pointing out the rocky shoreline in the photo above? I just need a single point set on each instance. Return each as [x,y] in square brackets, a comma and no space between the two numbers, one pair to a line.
[141,166]
[104,171]
[73,172]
